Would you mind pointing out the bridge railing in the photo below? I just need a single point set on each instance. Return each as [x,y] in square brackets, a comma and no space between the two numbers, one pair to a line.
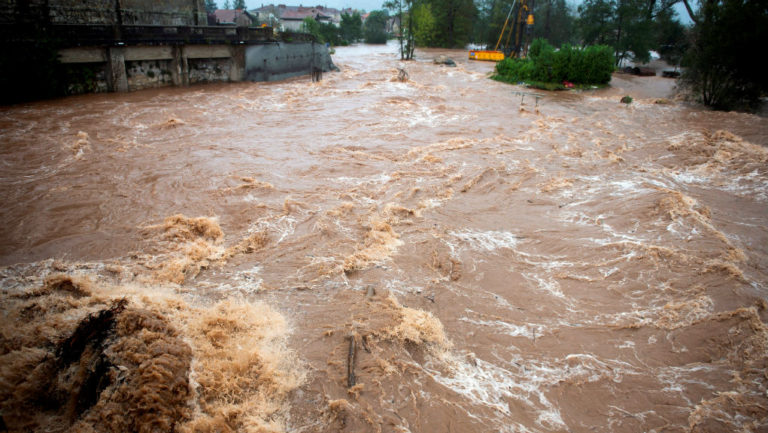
[90,35]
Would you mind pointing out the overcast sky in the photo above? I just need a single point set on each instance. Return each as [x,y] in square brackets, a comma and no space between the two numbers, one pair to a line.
[370,5]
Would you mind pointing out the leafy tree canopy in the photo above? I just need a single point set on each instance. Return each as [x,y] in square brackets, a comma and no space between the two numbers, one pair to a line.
[375,31]
[721,68]
[351,27]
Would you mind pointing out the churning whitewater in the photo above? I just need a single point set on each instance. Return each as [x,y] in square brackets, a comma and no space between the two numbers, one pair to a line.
[442,254]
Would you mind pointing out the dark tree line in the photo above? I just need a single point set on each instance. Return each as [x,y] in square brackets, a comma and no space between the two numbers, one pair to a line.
[721,65]
[717,53]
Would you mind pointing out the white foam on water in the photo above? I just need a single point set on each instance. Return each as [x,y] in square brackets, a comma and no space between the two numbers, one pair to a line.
[487,240]
[284,226]
[626,345]
[431,203]
[379,178]
[548,263]
[528,330]
[489,385]
[687,177]
[548,285]
[524,381]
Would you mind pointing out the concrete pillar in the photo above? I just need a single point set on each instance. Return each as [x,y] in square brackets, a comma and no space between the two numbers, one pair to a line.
[117,77]
[237,63]
[179,66]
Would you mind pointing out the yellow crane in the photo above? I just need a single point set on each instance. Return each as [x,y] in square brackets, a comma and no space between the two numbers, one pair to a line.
[521,27]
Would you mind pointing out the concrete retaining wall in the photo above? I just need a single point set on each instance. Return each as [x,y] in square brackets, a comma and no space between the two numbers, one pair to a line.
[281,60]
[121,69]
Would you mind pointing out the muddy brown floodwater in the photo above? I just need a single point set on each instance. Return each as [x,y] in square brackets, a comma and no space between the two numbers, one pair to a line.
[363,254]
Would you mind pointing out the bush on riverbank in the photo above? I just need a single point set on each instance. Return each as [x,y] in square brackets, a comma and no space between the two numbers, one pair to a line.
[550,69]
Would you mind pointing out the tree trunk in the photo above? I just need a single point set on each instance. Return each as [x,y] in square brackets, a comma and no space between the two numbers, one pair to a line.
[690,12]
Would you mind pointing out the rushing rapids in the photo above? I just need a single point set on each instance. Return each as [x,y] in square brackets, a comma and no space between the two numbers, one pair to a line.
[365,254]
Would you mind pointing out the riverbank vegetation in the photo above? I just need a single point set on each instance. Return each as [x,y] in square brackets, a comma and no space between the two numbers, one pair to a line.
[550,69]
[712,47]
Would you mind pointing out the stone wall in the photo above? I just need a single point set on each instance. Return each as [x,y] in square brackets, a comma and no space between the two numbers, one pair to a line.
[166,12]
[105,12]
[82,12]
[144,74]
[86,78]
[209,70]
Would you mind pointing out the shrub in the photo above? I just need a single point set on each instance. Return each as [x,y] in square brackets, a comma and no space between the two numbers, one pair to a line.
[515,70]
[591,65]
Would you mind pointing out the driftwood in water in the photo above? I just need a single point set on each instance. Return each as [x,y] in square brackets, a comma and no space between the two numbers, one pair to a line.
[351,361]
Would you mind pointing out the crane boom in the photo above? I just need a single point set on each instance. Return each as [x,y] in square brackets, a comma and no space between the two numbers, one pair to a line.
[521,27]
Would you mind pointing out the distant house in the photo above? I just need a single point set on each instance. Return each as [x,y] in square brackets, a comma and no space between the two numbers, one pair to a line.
[237,17]
[292,17]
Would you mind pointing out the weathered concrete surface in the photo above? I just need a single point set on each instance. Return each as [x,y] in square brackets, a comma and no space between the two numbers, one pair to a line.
[125,12]
[148,53]
[83,55]
[117,77]
[142,66]
[207,51]
[281,60]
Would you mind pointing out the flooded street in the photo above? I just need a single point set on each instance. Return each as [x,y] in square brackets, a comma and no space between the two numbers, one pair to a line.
[363,254]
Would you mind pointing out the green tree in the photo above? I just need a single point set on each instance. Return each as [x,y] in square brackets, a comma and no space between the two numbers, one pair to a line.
[555,22]
[633,31]
[311,26]
[481,28]
[210,6]
[227,4]
[453,21]
[238,4]
[720,65]
[323,32]
[671,37]
[623,24]
[351,27]
[424,26]
[376,27]
[596,21]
